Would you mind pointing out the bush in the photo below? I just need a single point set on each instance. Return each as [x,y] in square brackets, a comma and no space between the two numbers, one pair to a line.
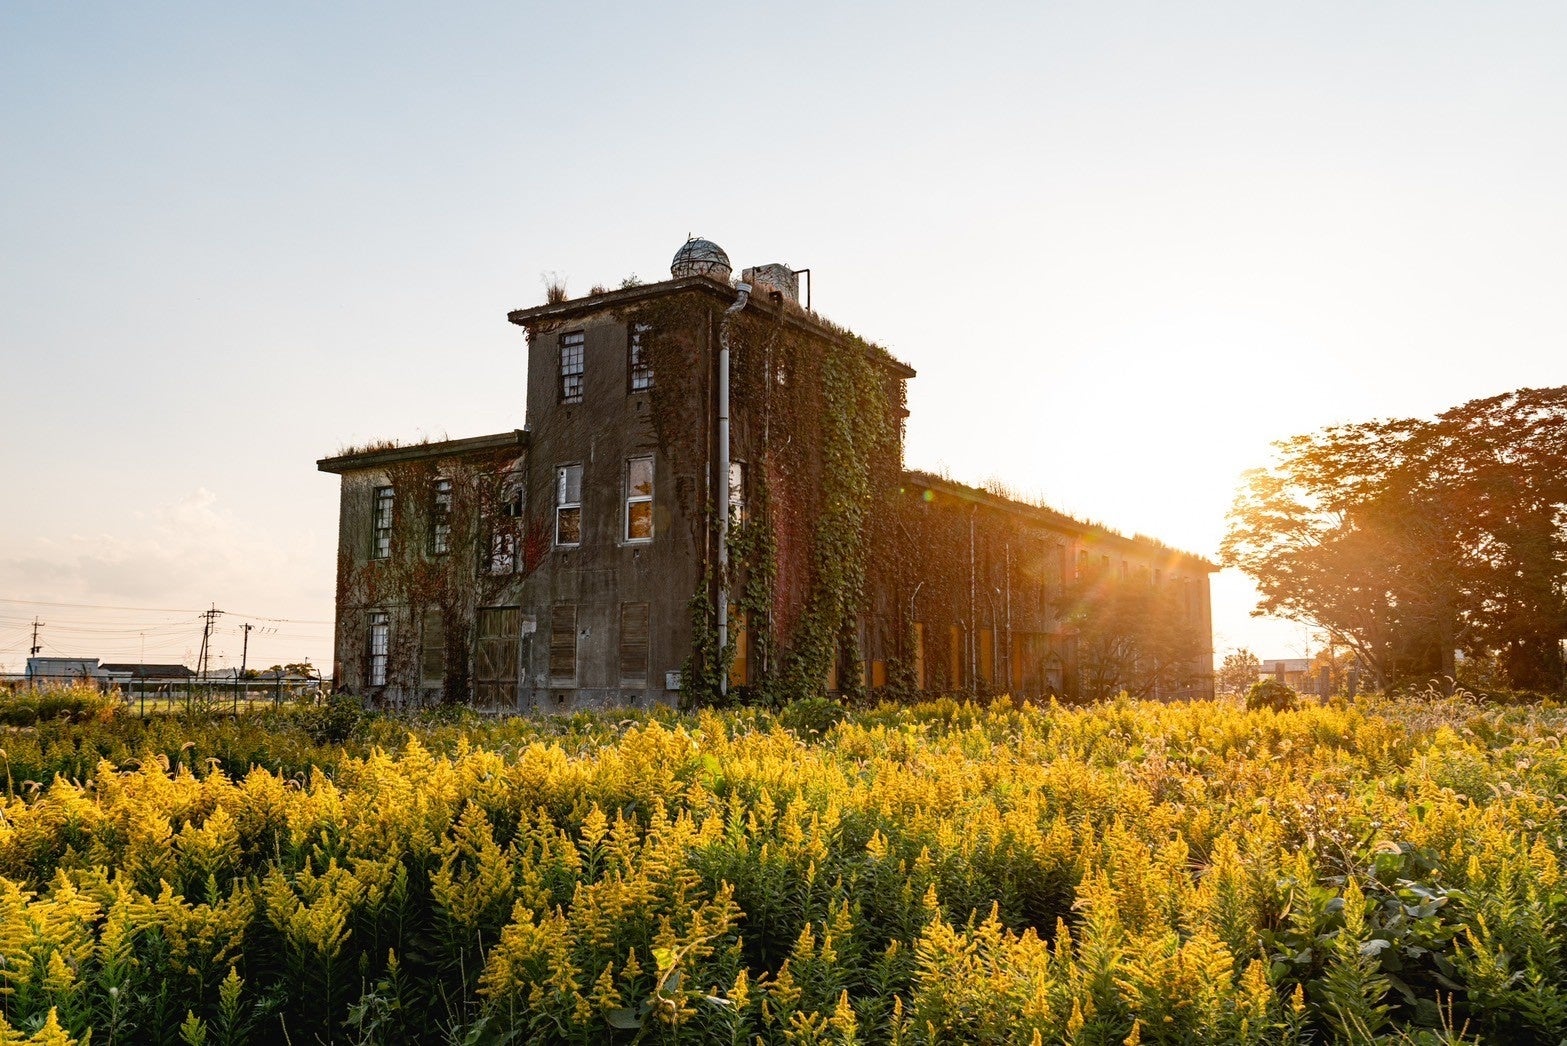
[811,716]
[1270,693]
[333,721]
[81,704]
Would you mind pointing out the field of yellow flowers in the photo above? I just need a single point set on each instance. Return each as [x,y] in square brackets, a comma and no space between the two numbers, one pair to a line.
[1387,871]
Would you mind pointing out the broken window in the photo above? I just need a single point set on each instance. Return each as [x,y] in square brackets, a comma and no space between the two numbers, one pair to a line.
[571,357]
[639,499]
[568,505]
[504,556]
[639,366]
[737,492]
[381,524]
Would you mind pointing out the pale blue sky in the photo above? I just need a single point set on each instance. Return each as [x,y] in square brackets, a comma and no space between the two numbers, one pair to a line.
[1125,245]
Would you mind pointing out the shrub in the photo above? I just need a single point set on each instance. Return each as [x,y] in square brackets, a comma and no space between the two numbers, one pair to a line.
[82,704]
[1270,693]
[811,716]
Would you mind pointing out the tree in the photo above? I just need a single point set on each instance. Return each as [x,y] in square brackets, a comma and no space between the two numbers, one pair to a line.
[1408,540]
[1239,671]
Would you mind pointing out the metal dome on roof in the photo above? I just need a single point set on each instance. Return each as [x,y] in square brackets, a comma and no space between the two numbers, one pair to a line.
[698,257]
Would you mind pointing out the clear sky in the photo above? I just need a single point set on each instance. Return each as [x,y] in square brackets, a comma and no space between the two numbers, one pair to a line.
[1125,246]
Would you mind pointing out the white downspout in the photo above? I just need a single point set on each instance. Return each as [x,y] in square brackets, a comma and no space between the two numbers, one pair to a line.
[723,479]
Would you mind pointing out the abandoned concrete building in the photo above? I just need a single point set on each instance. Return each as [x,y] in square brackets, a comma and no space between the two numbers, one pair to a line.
[707,502]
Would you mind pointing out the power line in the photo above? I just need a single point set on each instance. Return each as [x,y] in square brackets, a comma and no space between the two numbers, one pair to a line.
[155,610]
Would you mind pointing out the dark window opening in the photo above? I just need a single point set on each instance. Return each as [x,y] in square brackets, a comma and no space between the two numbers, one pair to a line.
[571,366]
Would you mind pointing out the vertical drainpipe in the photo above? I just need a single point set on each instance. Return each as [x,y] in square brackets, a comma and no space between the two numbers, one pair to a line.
[723,479]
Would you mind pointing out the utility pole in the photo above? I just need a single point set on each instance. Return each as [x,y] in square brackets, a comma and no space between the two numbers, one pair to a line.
[32,653]
[244,654]
[206,641]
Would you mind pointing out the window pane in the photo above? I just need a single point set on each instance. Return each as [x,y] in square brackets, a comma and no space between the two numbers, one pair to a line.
[568,485]
[640,477]
[639,520]
[568,526]
[571,365]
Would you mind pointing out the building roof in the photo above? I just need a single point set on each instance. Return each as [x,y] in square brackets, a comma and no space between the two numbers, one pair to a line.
[378,457]
[1046,516]
[146,671]
[792,314]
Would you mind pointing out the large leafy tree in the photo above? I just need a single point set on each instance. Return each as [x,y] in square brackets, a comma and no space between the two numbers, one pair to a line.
[1410,539]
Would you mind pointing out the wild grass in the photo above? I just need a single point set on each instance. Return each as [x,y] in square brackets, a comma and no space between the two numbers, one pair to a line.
[1380,871]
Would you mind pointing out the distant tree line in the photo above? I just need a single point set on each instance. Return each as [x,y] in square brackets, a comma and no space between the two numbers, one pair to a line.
[1414,539]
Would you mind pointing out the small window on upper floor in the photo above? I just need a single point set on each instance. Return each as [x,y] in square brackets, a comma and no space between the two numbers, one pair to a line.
[381,523]
[639,499]
[441,517]
[568,505]
[571,366]
[639,365]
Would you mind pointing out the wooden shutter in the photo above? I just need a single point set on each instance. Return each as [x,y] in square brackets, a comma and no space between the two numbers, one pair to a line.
[563,644]
[432,649]
[633,644]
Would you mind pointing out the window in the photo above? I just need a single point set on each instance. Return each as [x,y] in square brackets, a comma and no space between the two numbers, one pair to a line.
[380,648]
[563,644]
[740,638]
[504,556]
[737,492]
[381,524]
[639,499]
[568,505]
[571,346]
[441,517]
[633,644]
[432,649]
[639,367]
[497,631]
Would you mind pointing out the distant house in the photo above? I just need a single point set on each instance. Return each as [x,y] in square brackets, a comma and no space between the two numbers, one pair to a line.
[151,673]
[1293,671]
[65,671]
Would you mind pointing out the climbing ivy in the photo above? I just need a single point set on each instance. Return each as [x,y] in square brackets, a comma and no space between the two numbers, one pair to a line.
[817,417]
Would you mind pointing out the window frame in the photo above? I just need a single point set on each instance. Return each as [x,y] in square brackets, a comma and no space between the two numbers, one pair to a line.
[381,530]
[567,391]
[633,499]
[503,554]
[562,505]
[378,648]
[639,366]
[440,516]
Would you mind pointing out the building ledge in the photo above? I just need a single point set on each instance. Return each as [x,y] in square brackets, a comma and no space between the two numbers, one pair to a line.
[721,293]
[449,448]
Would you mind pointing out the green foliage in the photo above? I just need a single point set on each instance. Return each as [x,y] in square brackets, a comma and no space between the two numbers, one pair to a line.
[1413,538]
[333,720]
[1269,692]
[946,872]
[74,704]
[811,717]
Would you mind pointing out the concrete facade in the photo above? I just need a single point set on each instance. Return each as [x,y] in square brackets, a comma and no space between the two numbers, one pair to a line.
[594,608]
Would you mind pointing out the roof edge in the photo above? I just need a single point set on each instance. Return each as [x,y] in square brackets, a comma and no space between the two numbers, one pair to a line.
[722,294]
[356,460]
[1049,516]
